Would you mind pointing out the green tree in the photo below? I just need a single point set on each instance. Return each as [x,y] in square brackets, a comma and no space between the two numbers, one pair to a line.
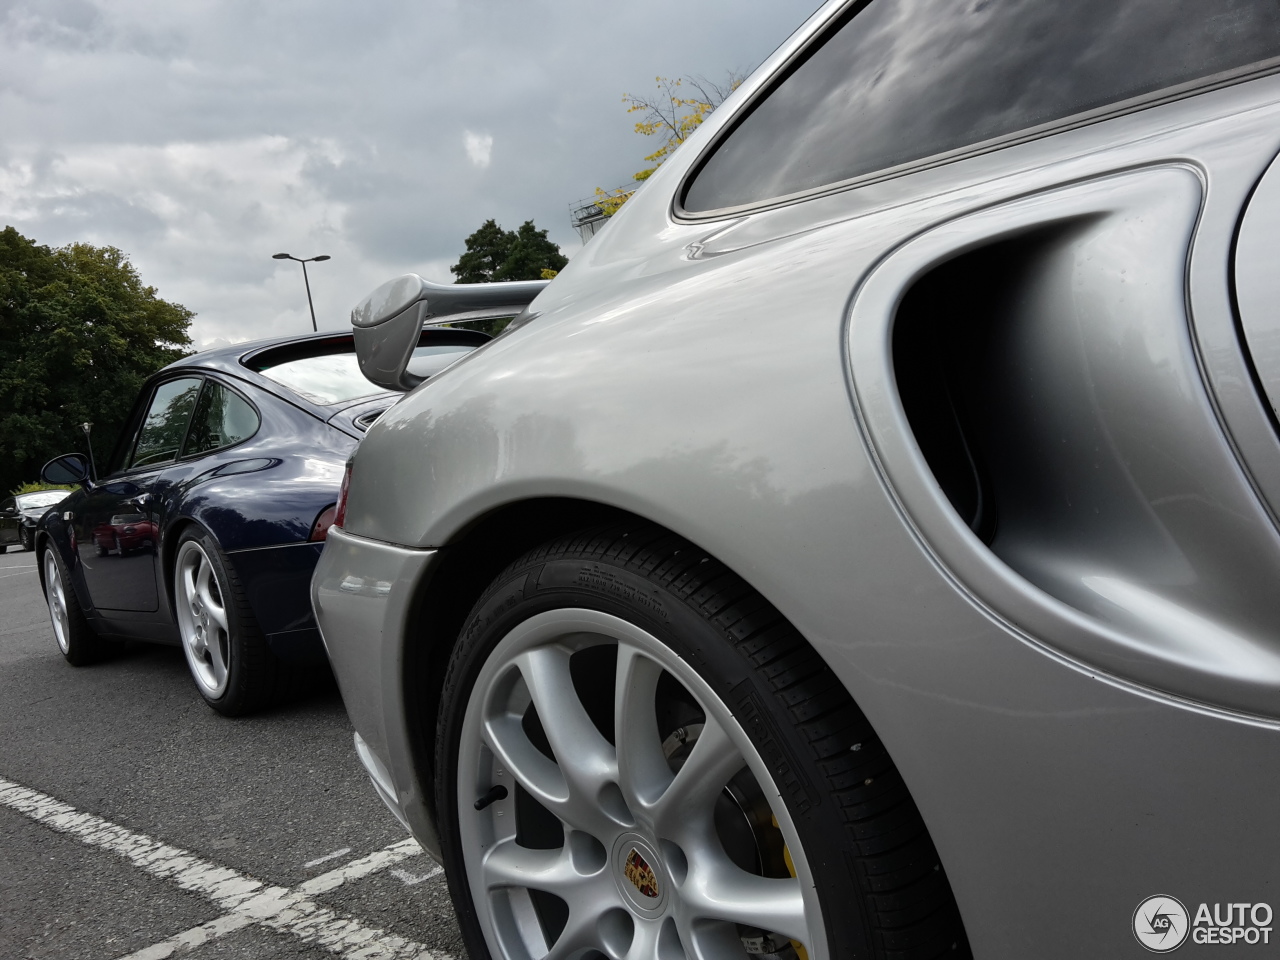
[487,251]
[672,115]
[496,254]
[530,255]
[79,333]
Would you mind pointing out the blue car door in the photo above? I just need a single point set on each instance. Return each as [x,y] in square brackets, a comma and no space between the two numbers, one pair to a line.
[116,528]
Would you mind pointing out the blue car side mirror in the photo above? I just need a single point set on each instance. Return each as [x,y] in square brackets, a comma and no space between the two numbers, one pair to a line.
[68,468]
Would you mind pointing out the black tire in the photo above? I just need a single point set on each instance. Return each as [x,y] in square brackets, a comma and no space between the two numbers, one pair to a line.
[879,882]
[100,550]
[24,539]
[232,666]
[4,548]
[76,638]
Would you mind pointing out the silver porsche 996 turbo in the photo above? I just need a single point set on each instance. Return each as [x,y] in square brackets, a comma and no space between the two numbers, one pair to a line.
[867,546]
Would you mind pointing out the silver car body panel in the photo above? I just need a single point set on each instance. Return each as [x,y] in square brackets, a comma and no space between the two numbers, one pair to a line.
[367,591]
[1083,693]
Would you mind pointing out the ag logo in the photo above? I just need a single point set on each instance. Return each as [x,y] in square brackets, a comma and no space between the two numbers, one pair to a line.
[1161,924]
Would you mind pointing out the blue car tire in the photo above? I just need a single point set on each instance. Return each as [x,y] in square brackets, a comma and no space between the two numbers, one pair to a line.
[233,668]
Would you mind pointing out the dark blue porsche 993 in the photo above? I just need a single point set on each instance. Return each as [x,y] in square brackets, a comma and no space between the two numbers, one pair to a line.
[204,526]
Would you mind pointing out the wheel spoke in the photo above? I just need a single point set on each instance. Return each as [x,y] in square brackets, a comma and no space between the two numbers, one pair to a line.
[718,889]
[218,661]
[202,575]
[579,933]
[688,801]
[643,773]
[709,939]
[511,865]
[578,883]
[582,753]
[505,736]
[644,943]
[189,587]
[575,880]
[218,614]
[586,760]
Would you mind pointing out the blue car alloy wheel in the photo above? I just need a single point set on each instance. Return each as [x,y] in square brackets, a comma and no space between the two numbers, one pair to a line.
[230,661]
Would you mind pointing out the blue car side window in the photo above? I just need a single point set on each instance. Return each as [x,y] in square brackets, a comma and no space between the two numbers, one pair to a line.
[222,418]
[166,424]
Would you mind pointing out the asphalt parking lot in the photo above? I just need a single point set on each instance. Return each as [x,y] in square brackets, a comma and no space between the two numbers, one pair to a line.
[135,822]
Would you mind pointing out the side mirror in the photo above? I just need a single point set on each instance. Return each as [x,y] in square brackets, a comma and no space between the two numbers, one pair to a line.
[388,323]
[68,468]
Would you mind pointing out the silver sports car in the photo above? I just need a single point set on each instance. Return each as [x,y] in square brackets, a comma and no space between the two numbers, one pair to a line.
[868,545]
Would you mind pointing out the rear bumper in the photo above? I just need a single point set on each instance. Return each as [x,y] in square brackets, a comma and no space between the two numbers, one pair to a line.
[363,593]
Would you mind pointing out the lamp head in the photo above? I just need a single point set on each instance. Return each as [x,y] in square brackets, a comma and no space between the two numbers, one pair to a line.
[281,256]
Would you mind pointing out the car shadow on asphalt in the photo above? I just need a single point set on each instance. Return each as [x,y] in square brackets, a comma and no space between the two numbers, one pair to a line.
[311,685]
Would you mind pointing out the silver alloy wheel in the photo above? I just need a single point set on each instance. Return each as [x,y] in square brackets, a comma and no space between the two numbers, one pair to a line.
[202,619]
[56,593]
[643,869]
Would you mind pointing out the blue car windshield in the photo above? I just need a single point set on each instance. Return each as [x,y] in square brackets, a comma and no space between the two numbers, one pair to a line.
[336,377]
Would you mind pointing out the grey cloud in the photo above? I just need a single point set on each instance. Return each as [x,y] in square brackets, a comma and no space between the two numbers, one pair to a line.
[99,212]
[201,138]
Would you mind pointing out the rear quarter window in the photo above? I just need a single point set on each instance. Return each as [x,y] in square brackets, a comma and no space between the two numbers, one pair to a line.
[895,81]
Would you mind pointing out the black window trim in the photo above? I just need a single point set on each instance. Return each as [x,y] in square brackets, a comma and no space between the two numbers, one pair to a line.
[833,23]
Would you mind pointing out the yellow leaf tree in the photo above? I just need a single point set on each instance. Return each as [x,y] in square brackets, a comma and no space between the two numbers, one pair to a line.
[671,114]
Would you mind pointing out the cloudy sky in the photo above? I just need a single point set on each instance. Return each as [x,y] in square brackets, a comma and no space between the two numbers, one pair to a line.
[202,136]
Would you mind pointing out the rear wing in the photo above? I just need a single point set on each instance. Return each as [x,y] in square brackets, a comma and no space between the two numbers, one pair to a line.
[388,322]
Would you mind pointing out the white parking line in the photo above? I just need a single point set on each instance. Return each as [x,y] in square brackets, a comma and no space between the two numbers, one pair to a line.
[195,937]
[378,860]
[245,899]
[326,858]
[409,880]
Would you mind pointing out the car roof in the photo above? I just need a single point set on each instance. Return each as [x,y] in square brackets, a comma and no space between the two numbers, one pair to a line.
[228,358]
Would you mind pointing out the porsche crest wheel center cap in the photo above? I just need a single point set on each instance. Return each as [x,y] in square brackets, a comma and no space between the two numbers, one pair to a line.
[639,874]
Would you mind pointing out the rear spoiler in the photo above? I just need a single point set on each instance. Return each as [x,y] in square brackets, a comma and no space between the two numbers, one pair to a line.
[388,322]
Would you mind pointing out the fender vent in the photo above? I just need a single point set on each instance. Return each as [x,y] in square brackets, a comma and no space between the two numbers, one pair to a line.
[947,350]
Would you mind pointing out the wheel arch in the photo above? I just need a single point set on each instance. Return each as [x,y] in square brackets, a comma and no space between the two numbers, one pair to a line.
[169,552]
[468,565]
[469,562]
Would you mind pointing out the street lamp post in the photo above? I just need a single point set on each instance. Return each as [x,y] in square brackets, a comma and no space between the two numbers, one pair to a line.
[93,467]
[289,256]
